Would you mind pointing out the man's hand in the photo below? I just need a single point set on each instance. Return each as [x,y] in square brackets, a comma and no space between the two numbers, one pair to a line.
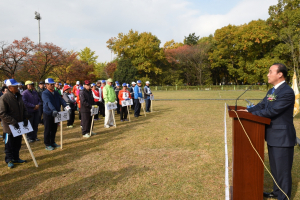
[139,97]
[116,102]
[54,113]
[36,107]
[109,103]
[16,125]
[25,122]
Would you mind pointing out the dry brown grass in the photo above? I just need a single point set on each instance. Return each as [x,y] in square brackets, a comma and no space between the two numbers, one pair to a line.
[176,152]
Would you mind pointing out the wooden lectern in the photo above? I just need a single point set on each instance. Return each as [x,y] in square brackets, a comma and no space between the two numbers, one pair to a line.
[248,171]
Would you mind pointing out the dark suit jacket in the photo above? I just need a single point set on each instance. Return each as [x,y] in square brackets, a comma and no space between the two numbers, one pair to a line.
[281,132]
[86,100]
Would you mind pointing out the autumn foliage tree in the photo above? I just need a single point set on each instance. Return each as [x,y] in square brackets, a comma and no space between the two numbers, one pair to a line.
[110,68]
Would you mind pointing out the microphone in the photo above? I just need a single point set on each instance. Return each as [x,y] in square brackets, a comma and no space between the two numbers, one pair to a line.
[242,95]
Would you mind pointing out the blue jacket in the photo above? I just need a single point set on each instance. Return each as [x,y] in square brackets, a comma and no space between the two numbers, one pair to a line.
[52,102]
[138,92]
[281,132]
[31,99]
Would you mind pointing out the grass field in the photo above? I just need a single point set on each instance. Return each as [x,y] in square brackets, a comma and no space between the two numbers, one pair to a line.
[176,152]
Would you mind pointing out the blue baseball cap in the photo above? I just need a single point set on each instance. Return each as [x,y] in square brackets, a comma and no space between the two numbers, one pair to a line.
[49,81]
[65,83]
[117,84]
[11,82]
[139,81]
[103,81]
[128,84]
[81,88]
[117,81]
[124,84]
[93,84]
[59,83]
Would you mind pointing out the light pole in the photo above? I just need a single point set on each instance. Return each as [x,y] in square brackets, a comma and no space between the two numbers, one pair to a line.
[38,17]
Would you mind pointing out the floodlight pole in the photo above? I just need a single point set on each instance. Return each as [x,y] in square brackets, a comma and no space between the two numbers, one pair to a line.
[38,17]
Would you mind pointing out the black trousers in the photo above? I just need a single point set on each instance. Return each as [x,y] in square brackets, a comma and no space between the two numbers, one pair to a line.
[123,112]
[41,121]
[133,105]
[148,104]
[34,121]
[50,130]
[72,118]
[118,107]
[281,161]
[12,147]
[98,104]
[137,108]
[86,121]
[102,108]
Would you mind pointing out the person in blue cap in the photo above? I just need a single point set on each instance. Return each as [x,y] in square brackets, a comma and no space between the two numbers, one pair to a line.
[12,111]
[137,96]
[52,102]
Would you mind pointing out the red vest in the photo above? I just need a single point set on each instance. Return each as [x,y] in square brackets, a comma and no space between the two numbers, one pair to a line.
[96,93]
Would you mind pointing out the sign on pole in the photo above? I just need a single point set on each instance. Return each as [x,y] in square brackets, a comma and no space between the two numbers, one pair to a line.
[127,102]
[62,116]
[152,97]
[142,100]
[111,106]
[95,110]
[22,131]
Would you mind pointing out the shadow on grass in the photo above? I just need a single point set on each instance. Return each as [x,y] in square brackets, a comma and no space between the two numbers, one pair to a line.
[100,182]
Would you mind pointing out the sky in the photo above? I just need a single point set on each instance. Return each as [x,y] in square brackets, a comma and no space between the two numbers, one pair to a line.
[76,24]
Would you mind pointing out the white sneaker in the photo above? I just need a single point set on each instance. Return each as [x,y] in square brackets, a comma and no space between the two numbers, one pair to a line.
[86,135]
[94,133]
[106,126]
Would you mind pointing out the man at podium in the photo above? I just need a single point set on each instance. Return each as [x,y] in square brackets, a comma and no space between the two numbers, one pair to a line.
[278,105]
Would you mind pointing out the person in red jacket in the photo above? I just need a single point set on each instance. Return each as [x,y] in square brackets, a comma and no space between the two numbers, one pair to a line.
[97,98]
[124,94]
[75,88]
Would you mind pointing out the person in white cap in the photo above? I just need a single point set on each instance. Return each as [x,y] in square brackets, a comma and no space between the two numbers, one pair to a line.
[147,94]
[131,90]
[75,88]
[21,89]
[12,111]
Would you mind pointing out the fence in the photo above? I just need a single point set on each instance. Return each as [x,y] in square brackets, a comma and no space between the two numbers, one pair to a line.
[211,87]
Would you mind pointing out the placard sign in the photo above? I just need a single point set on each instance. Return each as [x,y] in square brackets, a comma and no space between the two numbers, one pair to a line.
[142,100]
[62,116]
[111,106]
[95,110]
[127,102]
[22,130]
[152,97]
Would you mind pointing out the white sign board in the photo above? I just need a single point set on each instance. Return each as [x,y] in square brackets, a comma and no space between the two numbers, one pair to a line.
[95,110]
[111,106]
[22,130]
[152,97]
[142,100]
[62,116]
[127,102]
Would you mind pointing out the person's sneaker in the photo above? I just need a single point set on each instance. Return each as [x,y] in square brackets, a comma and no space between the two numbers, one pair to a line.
[49,148]
[55,145]
[147,111]
[136,116]
[93,133]
[30,141]
[19,161]
[37,139]
[70,126]
[122,120]
[86,135]
[106,126]
[126,120]
[10,165]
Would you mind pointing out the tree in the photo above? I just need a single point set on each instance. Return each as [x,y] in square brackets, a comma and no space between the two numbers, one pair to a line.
[14,56]
[81,71]
[285,21]
[125,72]
[142,49]
[190,40]
[172,45]
[99,71]
[110,69]
[88,56]
[45,58]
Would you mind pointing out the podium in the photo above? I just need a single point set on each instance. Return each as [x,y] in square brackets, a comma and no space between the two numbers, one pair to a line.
[248,171]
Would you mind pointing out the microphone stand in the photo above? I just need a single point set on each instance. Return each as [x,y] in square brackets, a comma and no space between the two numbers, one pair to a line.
[242,95]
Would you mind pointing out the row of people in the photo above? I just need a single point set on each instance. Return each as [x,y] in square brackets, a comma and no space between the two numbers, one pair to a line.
[15,108]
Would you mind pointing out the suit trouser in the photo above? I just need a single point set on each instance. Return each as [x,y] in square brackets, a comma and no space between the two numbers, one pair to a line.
[109,120]
[137,107]
[102,108]
[281,161]
[148,104]
[123,112]
[34,121]
[12,147]
[86,121]
[72,118]
[41,121]
[50,130]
